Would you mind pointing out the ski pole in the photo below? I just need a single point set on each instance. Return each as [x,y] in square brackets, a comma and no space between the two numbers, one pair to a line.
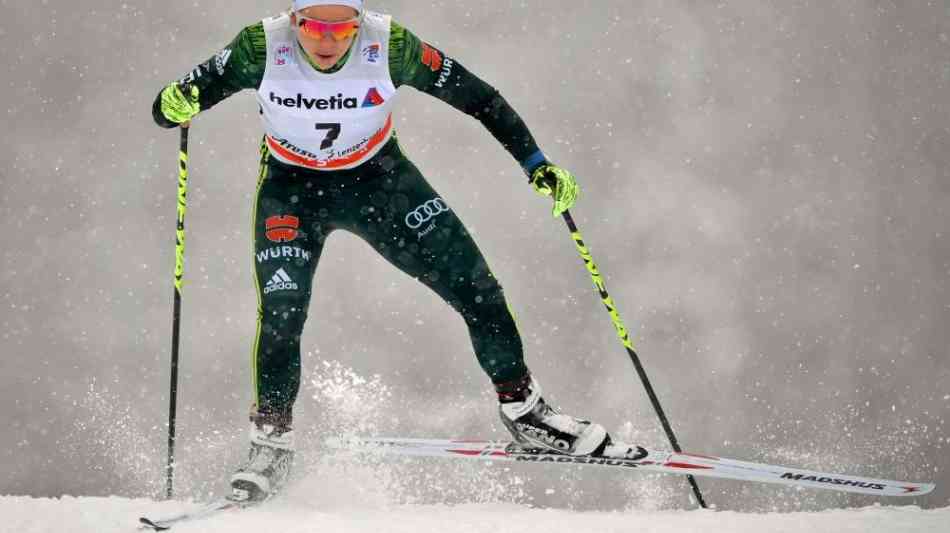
[628,344]
[176,313]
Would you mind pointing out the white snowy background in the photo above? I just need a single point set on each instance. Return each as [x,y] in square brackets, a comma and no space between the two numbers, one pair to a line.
[765,186]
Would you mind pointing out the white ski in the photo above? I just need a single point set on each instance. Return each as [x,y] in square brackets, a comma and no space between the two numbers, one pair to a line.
[207,510]
[627,456]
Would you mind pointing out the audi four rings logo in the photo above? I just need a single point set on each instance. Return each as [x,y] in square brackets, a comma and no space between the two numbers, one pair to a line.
[426,212]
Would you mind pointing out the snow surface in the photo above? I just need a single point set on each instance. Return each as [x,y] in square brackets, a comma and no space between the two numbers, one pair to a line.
[107,515]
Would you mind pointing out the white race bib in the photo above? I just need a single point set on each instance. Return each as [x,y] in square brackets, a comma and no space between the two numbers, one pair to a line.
[327,121]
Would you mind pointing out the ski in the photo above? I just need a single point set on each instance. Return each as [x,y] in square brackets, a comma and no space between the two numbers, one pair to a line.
[627,456]
[213,508]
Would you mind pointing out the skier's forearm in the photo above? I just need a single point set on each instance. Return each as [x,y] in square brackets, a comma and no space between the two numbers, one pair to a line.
[238,66]
[424,67]
[504,123]
[469,94]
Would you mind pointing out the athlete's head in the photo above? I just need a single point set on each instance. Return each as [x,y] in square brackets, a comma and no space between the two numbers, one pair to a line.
[326,29]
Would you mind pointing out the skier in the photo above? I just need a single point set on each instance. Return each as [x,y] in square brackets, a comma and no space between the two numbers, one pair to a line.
[326,73]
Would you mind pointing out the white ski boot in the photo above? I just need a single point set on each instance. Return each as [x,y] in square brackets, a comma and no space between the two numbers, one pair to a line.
[535,424]
[268,464]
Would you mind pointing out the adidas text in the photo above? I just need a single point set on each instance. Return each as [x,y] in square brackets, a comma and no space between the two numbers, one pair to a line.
[280,282]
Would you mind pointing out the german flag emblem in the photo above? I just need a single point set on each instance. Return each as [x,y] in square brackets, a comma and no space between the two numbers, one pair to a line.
[431,58]
[281,228]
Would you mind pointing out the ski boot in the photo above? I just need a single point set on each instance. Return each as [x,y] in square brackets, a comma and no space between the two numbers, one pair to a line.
[535,424]
[269,460]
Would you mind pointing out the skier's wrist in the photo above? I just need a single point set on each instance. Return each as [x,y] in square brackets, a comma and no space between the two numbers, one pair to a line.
[532,162]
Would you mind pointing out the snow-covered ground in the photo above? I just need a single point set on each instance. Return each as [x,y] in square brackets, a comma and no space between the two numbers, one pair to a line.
[108,515]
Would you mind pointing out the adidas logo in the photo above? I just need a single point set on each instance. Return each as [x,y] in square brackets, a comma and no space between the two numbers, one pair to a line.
[280,282]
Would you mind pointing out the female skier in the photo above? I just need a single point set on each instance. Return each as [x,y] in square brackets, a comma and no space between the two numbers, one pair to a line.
[325,74]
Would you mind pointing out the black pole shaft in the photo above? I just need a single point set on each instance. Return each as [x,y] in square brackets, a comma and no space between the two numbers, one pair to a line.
[628,344]
[176,313]
[173,395]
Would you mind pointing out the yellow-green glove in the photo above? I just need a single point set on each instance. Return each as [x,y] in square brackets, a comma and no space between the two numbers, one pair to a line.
[176,106]
[552,180]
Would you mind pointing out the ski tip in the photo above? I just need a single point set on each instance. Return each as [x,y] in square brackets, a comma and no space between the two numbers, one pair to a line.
[917,489]
[148,523]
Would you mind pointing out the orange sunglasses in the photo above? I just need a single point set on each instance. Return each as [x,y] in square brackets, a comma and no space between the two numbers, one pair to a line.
[338,30]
